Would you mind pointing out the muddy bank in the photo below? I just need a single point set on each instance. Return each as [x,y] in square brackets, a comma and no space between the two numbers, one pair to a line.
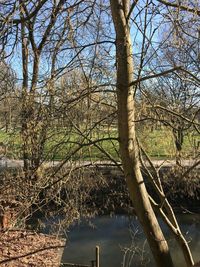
[100,190]
[182,192]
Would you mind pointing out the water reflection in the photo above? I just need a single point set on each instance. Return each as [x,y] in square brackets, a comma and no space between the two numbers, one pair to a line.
[122,243]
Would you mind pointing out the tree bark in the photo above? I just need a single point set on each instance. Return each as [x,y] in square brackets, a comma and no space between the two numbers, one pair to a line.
[127,137]
[24,130]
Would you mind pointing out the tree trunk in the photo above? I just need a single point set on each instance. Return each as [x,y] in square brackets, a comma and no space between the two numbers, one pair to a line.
[24,130]
[127,137]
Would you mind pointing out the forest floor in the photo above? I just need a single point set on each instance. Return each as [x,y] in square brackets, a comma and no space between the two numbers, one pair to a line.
[21,248]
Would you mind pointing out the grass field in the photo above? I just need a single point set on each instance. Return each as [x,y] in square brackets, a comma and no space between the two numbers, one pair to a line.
[159,144]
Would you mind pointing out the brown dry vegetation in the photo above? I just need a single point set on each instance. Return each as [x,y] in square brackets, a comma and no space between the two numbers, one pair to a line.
[19,248]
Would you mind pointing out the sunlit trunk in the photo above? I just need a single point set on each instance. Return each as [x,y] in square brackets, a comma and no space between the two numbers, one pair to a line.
[127,138]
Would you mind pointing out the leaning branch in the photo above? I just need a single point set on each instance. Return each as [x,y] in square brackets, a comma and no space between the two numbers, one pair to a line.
[31,15]
[192,121]
[163,73]
[156,75]
[191,74]
[181,7]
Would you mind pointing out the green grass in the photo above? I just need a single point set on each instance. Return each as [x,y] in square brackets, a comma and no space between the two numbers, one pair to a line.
[61,144]
[160,143]
[12,142]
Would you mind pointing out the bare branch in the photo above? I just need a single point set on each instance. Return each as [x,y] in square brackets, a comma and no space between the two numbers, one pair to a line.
[156,75]
[181,7]
[131,9]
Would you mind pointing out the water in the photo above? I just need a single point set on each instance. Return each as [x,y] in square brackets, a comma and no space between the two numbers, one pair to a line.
[122,242]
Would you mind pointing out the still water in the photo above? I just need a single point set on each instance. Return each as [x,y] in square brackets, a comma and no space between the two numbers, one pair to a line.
[122,243]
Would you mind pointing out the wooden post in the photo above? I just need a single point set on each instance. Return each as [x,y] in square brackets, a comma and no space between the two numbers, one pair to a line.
[97,256]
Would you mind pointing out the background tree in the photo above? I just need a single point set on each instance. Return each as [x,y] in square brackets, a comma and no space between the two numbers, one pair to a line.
[176,102]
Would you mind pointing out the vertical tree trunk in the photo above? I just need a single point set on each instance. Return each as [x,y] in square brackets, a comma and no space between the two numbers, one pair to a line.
[127,137]
[24,130]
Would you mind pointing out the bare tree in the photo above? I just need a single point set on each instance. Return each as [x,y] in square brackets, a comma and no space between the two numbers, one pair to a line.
[56,38]
[174,98]
[129,150]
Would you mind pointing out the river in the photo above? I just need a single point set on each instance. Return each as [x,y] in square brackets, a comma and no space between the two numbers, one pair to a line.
[122,243]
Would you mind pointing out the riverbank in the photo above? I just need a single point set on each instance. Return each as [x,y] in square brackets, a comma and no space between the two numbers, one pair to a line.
[109,195]
[96,189]
[182,192]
